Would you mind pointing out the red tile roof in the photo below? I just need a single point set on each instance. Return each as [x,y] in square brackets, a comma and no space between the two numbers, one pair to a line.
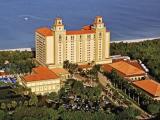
[59,71]
[123,68]
[132,62]
[150,86]
[45,31]
[87,27]
[98,16]
[40,73]
[84,66]
[3,73]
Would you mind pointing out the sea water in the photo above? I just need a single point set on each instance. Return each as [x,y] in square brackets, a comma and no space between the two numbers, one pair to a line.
[126,19]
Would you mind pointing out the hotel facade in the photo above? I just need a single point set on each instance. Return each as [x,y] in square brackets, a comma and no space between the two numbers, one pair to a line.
[56,44]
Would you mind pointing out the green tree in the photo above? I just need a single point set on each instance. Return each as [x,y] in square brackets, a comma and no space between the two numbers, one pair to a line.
[33,100]
[97,91]
[145,51]
[19,62]
[53,96]
[101,115]
[3,106]
[153,108]
[9,106]
[2,115]
[66,64]
[14,104]
[78,87]
[26,103]
[32,113]
[129,114]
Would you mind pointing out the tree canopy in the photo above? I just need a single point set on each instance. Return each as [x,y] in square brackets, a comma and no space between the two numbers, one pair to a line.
[34,113]
[16,62]
[147,52]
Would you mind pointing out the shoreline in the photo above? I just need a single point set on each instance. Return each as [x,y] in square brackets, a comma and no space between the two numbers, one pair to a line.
[114,41]
[135,40]
[19,49]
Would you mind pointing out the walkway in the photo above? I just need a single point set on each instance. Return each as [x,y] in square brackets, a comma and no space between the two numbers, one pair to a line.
[104,81]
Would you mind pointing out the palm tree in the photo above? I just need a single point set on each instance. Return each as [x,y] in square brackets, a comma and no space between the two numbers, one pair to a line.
[129,87]
[9,106]
[124,85]
[133,93]
[66,64]
[25,103]
[33,100]
[3,106]
[14,104]
[139,93]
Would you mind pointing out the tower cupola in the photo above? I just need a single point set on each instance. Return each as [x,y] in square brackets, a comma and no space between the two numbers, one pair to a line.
[98,22]
[58,25]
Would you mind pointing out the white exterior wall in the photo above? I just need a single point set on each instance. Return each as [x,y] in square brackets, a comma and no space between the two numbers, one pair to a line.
[49,50]
[74,52]
[71,48]
[85,47]
[68,48]
[44,86]
[107,47]
[100,43]
[40,48]
[60,51]
[92,48]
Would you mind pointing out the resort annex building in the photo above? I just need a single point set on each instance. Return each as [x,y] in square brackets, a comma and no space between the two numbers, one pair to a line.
[56,44]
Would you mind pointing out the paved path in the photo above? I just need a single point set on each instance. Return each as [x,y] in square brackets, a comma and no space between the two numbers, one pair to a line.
[103,81]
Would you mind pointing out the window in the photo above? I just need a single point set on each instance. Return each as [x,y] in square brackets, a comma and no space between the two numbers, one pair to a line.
[60,22]
[100,34]
[72,37]
[89,36]
[60,37]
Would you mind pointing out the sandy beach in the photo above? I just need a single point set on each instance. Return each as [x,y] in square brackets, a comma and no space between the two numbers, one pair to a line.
[19,49]
[135,40]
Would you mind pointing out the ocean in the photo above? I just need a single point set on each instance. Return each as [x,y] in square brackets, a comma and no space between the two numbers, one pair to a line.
[126,19]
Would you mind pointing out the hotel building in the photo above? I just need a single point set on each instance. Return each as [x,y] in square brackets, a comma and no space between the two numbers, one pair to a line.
[89,44]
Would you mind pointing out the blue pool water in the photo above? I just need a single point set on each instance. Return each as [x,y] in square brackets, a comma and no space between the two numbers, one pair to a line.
[126,19]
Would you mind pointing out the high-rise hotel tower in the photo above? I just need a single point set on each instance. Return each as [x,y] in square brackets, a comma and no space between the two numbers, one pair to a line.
[56,44]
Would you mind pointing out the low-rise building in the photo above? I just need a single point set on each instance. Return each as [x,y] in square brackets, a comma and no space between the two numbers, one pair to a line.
[151,87]
[62,73]
[125,69]
[42,81]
